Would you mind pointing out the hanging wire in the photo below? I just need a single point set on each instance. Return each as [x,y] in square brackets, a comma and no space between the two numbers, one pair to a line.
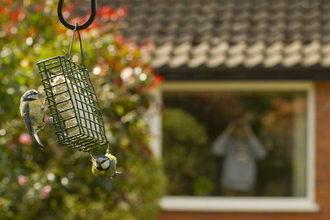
[81,49]
[75,29]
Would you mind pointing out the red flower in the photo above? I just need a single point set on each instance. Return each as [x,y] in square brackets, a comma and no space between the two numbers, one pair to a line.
[119,39]
[46,191]
[122,12]
[126,73]
[32,31]
[24,138]
[157,81]
[38,8]
[105,12]
[21,179]
[69,7]
[14,16]
[95,24]
[8,1]
[4,10]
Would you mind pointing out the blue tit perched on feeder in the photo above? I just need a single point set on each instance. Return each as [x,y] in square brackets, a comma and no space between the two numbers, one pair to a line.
[33,112]
[105,165]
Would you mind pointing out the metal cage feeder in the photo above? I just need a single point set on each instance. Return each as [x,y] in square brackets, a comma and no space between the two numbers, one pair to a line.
[73,104]
[72,100]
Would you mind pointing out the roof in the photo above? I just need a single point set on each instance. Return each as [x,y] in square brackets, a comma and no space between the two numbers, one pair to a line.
[232,34]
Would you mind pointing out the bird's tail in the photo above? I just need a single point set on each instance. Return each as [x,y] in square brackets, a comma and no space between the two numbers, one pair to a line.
[37,139]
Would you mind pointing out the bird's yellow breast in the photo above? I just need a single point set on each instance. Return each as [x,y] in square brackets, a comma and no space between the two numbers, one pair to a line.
[35,103]
[97,172]
[36,111]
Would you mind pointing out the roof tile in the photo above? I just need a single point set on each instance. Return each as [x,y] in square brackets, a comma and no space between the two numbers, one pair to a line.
[201,48]
[235,60]
[272,60]
[183,48]
[312,47]
[178,60]
[275,47]
[231,33]
[164,49]
[222,48]
[325,62]
[238,48]
[293,47]
[325,48]
[253,61]
[311,60]
[291,59]
[197,61]
[217,60]
[160,61]
[258,47]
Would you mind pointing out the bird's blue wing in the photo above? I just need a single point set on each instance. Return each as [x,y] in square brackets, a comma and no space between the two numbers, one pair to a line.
[26,117]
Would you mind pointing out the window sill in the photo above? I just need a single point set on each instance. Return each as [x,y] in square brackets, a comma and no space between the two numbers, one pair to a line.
[218,204]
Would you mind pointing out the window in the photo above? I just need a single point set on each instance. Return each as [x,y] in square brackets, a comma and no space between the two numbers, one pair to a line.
[238,146]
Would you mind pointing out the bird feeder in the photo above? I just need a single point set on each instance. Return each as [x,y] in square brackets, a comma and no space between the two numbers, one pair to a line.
[72,100]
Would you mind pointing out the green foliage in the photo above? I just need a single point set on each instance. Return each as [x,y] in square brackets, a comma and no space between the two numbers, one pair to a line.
[58,183]
[196,168]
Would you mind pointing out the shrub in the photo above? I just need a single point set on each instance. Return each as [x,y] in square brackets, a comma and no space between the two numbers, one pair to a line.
[58,183]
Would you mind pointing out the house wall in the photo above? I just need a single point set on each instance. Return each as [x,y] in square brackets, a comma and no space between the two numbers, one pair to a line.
[322,184]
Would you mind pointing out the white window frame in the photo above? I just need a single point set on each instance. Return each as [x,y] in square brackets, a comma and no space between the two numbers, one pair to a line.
[242,204]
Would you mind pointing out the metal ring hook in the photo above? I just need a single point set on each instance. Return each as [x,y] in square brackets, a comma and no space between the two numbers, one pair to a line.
[80,27]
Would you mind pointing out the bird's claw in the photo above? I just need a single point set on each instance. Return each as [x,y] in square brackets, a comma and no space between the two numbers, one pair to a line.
[49,119]
[115,174]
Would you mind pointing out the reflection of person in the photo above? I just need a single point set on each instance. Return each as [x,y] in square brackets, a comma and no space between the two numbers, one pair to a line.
[241,148]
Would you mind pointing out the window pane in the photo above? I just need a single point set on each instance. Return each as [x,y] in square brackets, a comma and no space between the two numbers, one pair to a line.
[235,143]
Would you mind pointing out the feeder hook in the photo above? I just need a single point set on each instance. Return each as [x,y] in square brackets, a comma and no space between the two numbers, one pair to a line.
[79,27]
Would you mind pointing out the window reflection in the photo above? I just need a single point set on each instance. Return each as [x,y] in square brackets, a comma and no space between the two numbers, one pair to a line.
[267,133]
[240,148]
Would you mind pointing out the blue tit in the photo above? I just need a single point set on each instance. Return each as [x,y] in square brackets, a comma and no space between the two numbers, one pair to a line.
[105,166]
[33,112]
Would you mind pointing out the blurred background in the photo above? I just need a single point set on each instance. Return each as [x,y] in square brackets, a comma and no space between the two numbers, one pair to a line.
[169,55]
[58,183]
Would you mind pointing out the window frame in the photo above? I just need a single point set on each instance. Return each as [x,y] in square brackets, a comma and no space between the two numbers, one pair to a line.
[241,204]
